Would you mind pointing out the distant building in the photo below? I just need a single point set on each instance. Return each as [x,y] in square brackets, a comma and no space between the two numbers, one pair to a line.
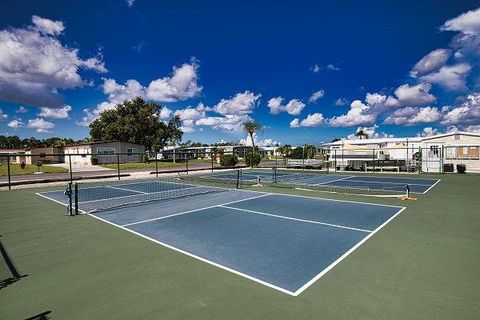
[403,154]
[47,155]
[103,152]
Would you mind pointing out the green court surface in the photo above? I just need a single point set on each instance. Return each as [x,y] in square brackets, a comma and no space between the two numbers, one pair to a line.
[422,265]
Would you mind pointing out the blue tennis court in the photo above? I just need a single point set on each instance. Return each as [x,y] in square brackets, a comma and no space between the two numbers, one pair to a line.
[416,185]
[285,242]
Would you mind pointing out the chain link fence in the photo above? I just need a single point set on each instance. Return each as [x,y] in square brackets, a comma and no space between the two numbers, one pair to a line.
[19,170]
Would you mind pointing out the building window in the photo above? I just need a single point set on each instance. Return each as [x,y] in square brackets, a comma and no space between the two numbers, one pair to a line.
[456,137]
[106,151]
[434,151]
[131,151]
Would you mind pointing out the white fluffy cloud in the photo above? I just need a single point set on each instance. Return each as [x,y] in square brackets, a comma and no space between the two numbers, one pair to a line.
[357,115]
[15,124]
[316,95]
[432,62]
[228,123]
[181,85]
[450,77]
[417,95]
[371,132]
[130,3]
[428,132]
[267,142]
[341,102]
[55,113]
[47,26]
[329,67]
[165,113]
[467,23]
[411,116]
[468,113]
[21,109]
[240,104]
[312,120]
[40,125]
[34,64]
[294,107]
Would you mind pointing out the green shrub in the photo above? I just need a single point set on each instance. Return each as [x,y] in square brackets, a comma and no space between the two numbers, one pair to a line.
[145,158]
[228,160]
[253,159]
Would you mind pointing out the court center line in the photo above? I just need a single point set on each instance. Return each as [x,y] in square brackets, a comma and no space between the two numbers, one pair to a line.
[194,210]
[296,219]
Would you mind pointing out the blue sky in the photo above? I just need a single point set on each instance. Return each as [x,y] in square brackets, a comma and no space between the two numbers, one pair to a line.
[308,71]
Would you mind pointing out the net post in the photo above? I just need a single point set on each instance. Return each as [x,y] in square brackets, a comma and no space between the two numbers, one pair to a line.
[211,156]
[238,179]
[303,158]
[70,167]
[68,192]
[76,198]
[9,173]
[118,166]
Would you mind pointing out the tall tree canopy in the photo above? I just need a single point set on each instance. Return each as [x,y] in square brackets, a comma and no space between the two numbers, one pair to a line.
[136,121]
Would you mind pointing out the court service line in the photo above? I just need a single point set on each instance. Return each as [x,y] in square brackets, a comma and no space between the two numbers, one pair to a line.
[296,219]
[194,210]
[333,264]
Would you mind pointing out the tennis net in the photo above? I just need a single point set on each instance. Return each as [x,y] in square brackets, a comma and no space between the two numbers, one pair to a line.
[107,195]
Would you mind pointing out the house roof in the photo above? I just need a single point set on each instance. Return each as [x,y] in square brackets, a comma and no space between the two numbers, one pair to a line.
[473,134]
[374,141]
[99,142]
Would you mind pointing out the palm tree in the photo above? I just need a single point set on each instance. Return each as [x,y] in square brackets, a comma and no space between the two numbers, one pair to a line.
[251,127]
[361,134]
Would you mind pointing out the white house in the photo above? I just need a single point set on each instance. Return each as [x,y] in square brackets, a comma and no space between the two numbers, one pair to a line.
[103,152]
[404,154]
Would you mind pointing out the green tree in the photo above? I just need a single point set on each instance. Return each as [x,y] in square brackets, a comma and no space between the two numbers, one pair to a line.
[251,127]
[361,134]
[310,151]
[136,121]
[285,150]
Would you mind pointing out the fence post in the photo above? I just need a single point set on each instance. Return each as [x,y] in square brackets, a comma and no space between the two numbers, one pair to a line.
[118,166]
[156,164]
[70,167]
[335,159]
[373,159]
[211,156]
[8,173]
[186,162]
[442,154]
[303,158]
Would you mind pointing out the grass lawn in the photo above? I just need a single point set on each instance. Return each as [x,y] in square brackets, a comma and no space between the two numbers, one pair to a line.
[15,169]
[151,165]
[419,266]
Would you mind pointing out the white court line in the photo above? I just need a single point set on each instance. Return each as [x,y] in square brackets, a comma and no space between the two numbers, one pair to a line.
[433,185]
[193,210]
[118,188]
[388,182]
[296,293]
[348,177]
[198,257]
[333,264]
[297,219]
[51,199]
